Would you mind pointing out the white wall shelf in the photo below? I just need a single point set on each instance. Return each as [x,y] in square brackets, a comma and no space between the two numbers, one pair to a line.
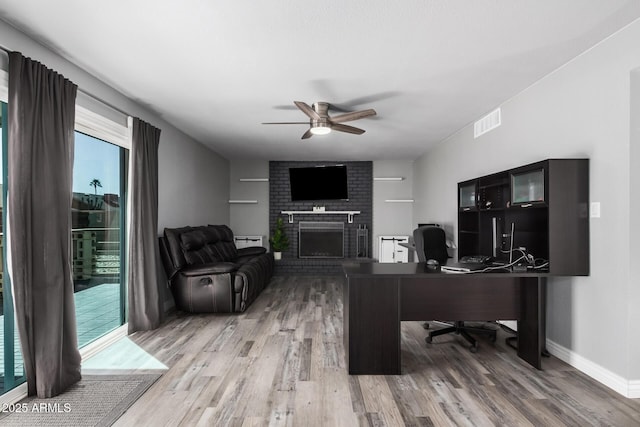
[388,178]
[399,201]
[254,179]
[243,201]
[349,214]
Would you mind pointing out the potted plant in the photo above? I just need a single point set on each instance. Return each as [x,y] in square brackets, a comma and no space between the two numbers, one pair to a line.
[279,240]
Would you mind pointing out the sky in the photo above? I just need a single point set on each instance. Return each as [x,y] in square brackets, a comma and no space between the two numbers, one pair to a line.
[93,159]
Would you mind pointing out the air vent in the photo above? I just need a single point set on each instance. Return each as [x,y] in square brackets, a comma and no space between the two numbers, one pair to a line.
[487,123]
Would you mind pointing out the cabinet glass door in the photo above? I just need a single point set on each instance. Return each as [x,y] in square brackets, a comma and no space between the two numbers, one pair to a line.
[527,187]
[467,194]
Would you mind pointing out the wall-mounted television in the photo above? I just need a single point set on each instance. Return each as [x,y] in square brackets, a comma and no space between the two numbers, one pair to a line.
[318,183]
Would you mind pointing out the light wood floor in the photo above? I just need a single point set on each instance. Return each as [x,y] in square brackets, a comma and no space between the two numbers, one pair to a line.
[282,363]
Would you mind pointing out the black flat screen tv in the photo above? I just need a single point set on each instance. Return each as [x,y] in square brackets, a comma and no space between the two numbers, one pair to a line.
[318,183]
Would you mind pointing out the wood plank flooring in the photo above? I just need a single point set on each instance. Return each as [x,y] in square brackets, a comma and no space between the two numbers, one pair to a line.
[281,363]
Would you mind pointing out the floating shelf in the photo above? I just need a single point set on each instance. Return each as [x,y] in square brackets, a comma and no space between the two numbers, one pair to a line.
[399,201]
[388,178]
[243,201]
[349,214]
[254,179]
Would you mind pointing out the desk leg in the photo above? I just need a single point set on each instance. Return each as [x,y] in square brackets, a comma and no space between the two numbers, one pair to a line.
[372,326]
[532,323]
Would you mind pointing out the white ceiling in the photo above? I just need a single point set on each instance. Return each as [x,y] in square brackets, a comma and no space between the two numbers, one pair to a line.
[217,69]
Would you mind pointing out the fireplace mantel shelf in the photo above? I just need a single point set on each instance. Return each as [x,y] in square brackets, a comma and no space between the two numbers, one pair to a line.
[349,214]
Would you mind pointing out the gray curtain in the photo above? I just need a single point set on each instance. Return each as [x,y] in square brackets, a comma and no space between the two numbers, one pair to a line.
[40,150]
[145,302]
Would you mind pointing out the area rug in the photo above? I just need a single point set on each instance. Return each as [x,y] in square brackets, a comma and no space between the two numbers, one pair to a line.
[97,400]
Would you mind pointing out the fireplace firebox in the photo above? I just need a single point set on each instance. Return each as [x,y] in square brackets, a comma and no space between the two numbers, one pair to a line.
[320,239]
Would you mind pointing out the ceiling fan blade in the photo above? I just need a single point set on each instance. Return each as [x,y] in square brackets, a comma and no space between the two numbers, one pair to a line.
[367,99]
[307,110]
[352,116]
[285,123]
[326,88]
[347,128]
[285,107]
[308,134]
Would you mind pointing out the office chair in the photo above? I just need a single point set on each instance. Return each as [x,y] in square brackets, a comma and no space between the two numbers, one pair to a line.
[431,243]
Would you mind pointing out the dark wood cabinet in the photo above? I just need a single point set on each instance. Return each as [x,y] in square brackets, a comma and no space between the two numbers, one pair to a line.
[542,207]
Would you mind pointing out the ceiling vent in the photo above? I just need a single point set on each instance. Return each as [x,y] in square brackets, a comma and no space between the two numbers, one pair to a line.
[487,123]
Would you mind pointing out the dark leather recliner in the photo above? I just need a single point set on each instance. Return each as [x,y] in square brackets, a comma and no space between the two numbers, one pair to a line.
[208,274]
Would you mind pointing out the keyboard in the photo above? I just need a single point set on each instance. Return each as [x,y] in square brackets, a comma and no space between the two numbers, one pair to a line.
[475,259]
[452,269]
[467,267]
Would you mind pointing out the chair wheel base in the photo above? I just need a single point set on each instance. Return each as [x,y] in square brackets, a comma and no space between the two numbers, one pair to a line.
[459,329]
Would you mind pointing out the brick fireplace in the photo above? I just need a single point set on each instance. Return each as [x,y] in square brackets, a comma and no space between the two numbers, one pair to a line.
[360,186]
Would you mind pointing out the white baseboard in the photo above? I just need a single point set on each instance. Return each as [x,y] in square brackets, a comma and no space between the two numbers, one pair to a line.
[634,389]
[627,388]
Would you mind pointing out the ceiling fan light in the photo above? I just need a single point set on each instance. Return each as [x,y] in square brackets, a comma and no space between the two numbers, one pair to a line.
[320,129]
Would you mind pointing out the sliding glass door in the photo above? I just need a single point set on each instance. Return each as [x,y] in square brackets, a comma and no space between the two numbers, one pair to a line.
[98,236]
[11,364]
[98,215]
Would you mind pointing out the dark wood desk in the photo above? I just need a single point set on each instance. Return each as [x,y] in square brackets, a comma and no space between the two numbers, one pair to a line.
[377,297]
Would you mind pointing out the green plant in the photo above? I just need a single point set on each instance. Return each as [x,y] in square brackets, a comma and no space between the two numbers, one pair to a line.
[95,183]
[279,240]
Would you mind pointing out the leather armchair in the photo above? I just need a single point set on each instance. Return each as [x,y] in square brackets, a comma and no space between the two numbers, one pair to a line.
[208,274]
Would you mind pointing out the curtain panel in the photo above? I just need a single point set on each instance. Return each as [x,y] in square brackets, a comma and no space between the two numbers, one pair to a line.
[41,114]
[145,302]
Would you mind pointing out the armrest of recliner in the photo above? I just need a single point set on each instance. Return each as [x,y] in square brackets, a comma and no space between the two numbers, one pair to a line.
[169,268]
[251,251]
[207,269]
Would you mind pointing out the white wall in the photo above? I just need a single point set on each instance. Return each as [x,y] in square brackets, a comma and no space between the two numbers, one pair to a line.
[634,234]
[392,218]
[580,110]
[193,183]
[253,219]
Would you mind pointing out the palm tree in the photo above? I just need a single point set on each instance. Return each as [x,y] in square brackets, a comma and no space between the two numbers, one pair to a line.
[95,183]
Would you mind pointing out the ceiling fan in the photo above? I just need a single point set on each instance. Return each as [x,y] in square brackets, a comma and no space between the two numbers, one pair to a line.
[321,123]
